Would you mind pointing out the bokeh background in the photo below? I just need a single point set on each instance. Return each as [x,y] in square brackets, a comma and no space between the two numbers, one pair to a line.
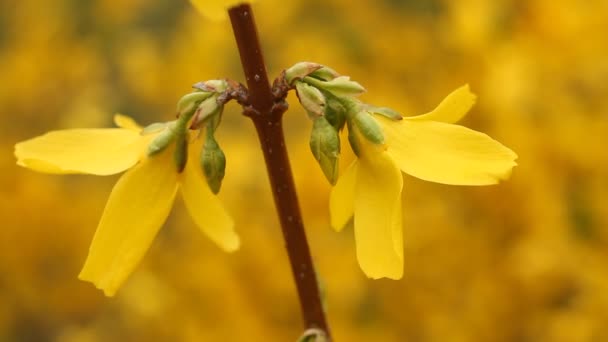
[526,260]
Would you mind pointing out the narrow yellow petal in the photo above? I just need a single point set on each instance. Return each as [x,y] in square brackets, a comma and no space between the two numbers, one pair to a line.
[215,9]
[127,122]
[342,198]
[204,207]
[453,108]
[94,151]
[378,230]
[447,153]
[138,206]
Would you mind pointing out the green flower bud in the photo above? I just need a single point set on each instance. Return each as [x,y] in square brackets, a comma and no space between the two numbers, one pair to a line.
[325,146]
[161,141]
[368,127]
[190,101]
[213,163]
[311,99]
[340,86]
[180,155]
[386,112]
[300,70]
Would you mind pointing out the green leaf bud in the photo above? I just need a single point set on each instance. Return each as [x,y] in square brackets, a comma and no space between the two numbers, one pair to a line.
[311,99]
[367,125]
[325,146]
[300,70]
[213,163]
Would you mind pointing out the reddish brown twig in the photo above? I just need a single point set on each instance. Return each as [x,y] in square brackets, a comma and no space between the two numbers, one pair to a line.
[266,111]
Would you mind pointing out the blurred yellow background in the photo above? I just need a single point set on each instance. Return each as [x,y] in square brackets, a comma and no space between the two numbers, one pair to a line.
[526,260]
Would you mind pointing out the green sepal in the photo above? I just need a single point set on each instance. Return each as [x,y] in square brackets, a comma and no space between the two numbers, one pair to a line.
[352,139]
[367,125]
[155,127]
[325,73]
[213,162]
[386,112]
[180,155]
[311,98]
[325,147]
[335,113]
[340,86]
[161,141]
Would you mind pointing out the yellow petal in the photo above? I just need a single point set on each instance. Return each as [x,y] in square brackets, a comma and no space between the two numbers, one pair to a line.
[447,153]
[204,207]
[215,9]
[127,122]
[94,151]
[342,198]
[378,230]
[138,206]
[453,108]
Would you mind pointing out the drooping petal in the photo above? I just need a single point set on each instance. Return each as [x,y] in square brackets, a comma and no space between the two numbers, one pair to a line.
[138,206]
[342,198]
[204,207]
[215,9]
[127,122]
[446,153]
[453,108]
[378,230]
[94,151]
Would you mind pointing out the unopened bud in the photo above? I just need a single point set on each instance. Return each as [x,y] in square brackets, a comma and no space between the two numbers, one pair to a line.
[325,146]
[311,99]
[189,101]
[213,163]
[300,70]
[162,140]
[368,127]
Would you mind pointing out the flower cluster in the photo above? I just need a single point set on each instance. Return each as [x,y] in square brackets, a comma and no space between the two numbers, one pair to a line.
[159,161]
[429,146]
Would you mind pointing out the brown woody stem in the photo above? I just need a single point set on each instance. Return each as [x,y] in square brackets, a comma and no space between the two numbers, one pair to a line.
[266,111]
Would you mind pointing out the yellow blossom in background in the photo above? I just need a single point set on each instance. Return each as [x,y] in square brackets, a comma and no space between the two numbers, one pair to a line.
[215,9]
[429,147]
[141,199]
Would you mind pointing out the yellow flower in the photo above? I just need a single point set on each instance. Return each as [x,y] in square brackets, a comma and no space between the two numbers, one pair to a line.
[141,199]
[215,9]
[429,147]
